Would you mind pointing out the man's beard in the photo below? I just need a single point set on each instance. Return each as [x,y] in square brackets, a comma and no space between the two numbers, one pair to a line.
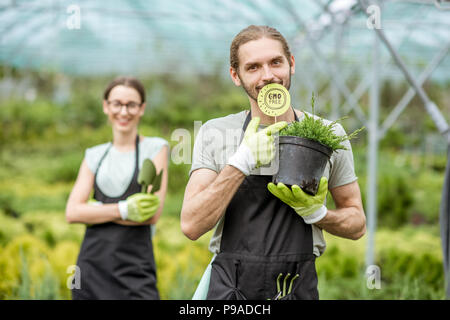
[254,96]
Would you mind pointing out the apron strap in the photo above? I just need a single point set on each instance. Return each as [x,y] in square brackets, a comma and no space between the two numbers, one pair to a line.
[109,147]
[102,158]
[137,154]
[132,188]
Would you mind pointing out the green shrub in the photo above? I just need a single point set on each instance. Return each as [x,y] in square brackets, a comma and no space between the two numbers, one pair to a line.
[428,195]
[52,227]
[315,129]
[10,228]
[48,287]
[180,262]
[65,168]
[23,291]
[7,204]
[23,120]
[45,288]
[395,198]
[410,261]
[409,192]
[11,266]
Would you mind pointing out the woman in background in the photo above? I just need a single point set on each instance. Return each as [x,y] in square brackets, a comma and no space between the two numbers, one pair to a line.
[116,257]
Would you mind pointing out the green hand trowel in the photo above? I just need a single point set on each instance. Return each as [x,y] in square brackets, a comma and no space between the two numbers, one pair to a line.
[147,176]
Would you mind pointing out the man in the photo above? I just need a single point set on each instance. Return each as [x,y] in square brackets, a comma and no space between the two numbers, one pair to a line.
[264,240]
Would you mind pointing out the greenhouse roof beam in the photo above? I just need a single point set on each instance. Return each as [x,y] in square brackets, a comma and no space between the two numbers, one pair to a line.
[430,106]
[327,67]
[409,95]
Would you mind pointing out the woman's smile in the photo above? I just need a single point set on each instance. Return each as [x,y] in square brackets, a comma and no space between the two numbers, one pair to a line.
[123,121]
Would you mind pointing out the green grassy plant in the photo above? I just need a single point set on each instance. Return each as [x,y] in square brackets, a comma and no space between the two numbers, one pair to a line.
[409,258]
[314,128]
[410,262]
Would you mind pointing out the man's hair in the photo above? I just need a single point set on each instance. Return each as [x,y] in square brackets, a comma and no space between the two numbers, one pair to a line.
[127,82]
[255,33]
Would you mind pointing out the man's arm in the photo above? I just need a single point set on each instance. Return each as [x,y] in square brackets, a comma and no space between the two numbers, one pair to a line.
[348,220]
[208,194]
[206,197]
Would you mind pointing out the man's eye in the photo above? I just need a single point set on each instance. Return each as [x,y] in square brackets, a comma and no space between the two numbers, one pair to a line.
[252,68]
[276,62]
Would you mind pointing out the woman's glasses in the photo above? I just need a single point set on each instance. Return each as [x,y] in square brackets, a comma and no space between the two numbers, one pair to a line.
[132,107]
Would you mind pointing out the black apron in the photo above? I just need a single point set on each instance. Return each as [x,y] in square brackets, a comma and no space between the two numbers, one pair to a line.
[116,262]
[261,238]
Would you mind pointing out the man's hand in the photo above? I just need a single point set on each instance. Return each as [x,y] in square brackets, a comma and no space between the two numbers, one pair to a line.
[257,148]
[310,208]
[139,207]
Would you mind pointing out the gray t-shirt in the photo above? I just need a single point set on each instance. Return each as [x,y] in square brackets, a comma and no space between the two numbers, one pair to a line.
[218,139]
[116,171]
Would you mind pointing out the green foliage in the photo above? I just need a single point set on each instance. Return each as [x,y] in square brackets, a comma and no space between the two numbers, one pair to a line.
[49,227]
[402,287]
[180,262]
[65,168]
[24,120]
[409,188]
[11,227]
[314,128]
[7,204]
[48,287]
[52,228]
[395,198]
[24,289]
[409,259]
[198,99]
[45,288]
[18,270]
[50,245]
[395,139]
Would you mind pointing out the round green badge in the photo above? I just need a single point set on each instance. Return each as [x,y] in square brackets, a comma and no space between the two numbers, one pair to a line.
[274,99]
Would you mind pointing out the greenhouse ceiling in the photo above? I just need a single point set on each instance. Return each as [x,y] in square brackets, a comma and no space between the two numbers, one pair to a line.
[145,37]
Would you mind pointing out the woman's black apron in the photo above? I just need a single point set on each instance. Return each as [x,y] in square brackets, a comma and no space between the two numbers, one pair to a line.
[115,261]
[262,237]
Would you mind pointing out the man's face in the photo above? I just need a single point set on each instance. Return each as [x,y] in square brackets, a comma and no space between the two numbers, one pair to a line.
[261,62]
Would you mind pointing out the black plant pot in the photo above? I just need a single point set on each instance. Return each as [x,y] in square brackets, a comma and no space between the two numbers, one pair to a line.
[301,162]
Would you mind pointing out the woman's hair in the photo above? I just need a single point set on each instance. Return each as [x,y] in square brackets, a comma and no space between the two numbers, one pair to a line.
[255,33]
[127,82]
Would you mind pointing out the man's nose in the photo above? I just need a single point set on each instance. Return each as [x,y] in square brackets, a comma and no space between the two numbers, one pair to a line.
[267,73]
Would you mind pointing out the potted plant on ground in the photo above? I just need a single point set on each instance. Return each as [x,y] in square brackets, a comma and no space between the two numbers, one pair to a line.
[304,150]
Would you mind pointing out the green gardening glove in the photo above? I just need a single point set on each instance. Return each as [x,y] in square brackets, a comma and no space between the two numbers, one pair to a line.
[310,208]
[256,148]
[139,207]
